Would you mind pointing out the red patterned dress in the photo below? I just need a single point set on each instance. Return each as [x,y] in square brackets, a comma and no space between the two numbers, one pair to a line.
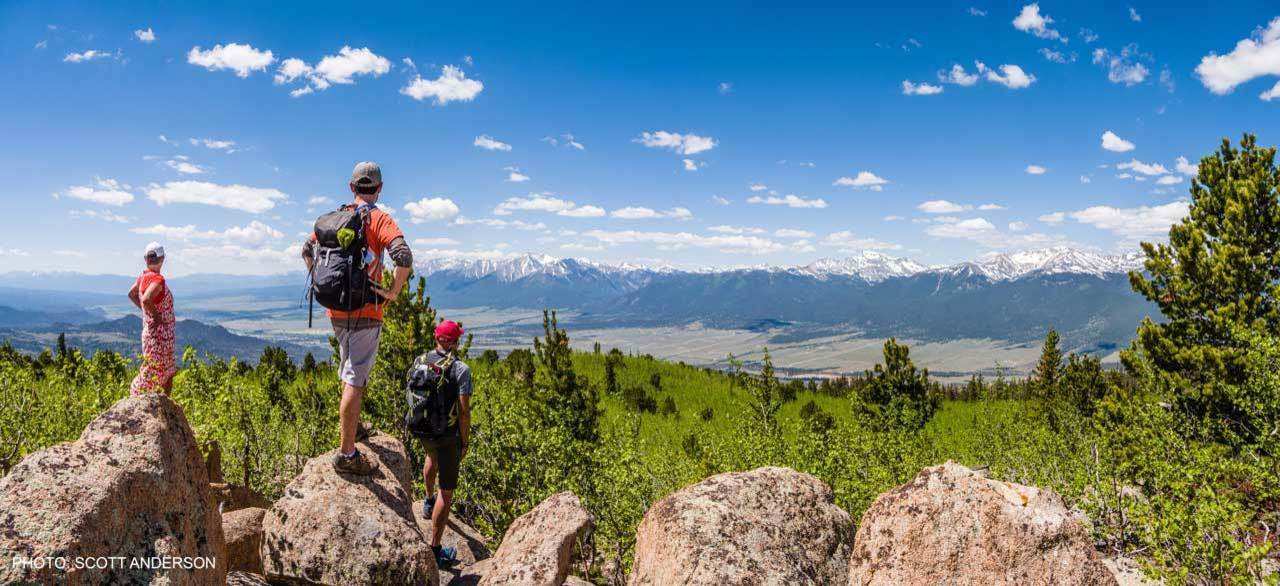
[158,361]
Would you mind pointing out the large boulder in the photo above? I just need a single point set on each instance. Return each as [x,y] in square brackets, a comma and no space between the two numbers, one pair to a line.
[345,529]
[537,549]
[952,525]
[765,526]
[242,530]
[134,487]
[468,542]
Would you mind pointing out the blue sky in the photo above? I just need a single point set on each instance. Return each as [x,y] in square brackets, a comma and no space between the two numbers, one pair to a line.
[691,135]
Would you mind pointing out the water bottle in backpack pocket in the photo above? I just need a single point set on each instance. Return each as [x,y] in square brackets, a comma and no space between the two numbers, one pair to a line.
[431,394]
[338,271]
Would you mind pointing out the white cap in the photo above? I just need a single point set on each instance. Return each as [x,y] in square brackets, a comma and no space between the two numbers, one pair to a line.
[154,249]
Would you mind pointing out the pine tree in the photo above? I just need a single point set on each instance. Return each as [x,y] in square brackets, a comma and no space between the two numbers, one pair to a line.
[1220,273]
[896,394]
[567,399]
[1049,369]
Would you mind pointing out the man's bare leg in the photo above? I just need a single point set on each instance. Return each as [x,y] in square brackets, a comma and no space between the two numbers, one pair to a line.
[349,415]
[440,516]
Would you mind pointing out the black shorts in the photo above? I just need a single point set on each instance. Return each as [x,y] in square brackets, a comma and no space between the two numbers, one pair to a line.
[446,453]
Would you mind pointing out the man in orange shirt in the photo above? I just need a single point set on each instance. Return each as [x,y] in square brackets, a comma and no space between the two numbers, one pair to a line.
[357,331]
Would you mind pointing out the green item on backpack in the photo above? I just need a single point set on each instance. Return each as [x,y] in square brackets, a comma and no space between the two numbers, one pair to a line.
[346,236]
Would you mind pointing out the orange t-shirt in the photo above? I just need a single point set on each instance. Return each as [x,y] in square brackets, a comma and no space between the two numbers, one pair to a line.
[379,231]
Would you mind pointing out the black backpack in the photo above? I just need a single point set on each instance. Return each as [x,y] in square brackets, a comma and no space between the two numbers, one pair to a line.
[432,397]
[338,277]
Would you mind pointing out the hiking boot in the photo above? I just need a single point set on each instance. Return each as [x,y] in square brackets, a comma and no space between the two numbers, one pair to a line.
[355,464]
[428,505]
[446,557]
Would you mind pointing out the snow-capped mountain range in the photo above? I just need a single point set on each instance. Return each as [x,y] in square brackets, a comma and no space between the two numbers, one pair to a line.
[870,266]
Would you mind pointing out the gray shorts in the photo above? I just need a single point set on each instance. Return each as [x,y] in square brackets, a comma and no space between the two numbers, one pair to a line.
[357,349]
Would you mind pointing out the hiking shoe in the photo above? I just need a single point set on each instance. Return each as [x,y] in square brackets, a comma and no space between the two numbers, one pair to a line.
[446,557]
[356,464]
[428,505]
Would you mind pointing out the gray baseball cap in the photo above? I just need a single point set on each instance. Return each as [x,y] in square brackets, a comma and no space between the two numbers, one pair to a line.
[366,173]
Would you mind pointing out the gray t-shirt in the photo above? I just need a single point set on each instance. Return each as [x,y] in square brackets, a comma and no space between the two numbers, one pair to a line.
[459,371]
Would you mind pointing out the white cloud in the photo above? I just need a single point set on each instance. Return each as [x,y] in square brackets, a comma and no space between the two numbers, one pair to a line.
[1088,36]
[1057,56]
[431,209]
[1124,67]
[89,55]
[1017,226]
[236,197]
[237,259]
[497,223]
[1036,170]
[346,64]
[147,36]
[435,242]
[291,69]
[71,253]
[1134,16]
[758,187]
[1256,56]
[849,242]
[104,191]
[587,211]
[13,252]
[319,200]
[985,233]
[725,229]
[1115,144]
[894,218]
[566,139]
[921,89]
[975,11]
[692,165]
[451,86]
[1133,223]
[1144,168]
[254,233]
[1053,218]
[1010,76]
[958,76]
[1031,21]
[720,200]
[793,233]
[218,145]
[942,206]
[987,207]
[863,180]
[1270,94]
[489,143]
[514,175]
[724,87]
[734,244]
[542,202]
[104,215]
[185,167]
[1085,179]
[1182,165]
[643,213]
[242,59]
[685,144]
[789,200]
[1169,180]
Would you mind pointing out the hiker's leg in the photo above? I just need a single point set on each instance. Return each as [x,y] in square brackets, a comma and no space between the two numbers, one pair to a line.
[448,457]
[357,348]
[440,516]
[349,415]
[429,473]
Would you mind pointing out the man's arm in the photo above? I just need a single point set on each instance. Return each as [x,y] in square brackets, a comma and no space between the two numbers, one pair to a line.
[403,259]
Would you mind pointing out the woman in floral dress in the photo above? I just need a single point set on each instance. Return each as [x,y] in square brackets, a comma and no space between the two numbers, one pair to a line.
[151,294]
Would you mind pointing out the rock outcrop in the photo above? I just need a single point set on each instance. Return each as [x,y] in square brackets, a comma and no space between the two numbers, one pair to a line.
[242,531]
[226,498]
[537,549]
[951,525]
[133,486]
[346,529]
[766,526]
